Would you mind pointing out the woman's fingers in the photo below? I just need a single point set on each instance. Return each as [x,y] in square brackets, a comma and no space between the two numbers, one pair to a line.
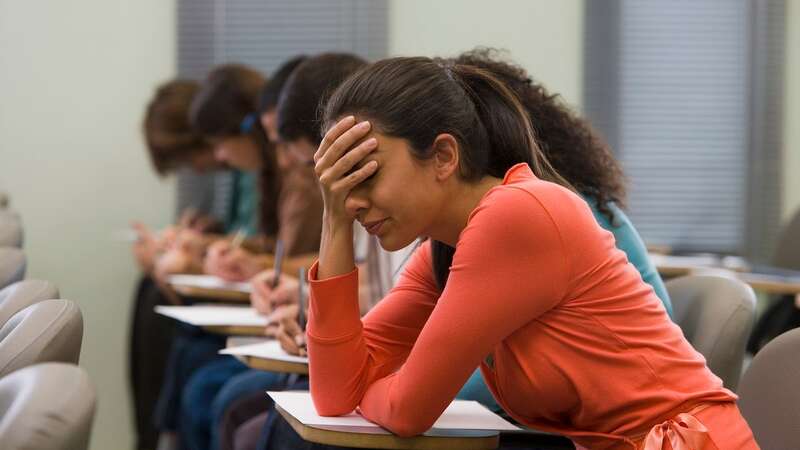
[350,181]
[332,134]
[340,146]
[349,161]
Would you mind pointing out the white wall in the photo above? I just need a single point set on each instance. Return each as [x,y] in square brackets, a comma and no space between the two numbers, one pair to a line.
[544,36]
[74,77]
[791,118]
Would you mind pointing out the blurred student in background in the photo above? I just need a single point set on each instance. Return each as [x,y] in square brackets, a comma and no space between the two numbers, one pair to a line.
[290,113]
[223,111]
[172,144]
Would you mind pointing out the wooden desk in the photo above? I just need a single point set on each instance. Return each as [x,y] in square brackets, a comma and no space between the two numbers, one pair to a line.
[223,295]
[265,354]
[234,330]
[210,287]
[367,438]
[772,284]
[272,365]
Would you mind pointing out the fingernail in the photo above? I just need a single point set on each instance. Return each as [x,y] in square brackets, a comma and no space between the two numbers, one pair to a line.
[372,142]
[364,125]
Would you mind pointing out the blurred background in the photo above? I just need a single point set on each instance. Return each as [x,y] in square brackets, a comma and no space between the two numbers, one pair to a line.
[697,98]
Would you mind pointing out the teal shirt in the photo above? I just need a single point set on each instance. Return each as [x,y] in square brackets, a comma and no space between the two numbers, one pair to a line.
[627,240]
[243,213]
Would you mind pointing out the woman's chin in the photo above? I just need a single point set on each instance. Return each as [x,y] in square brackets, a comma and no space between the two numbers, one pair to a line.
[391,243]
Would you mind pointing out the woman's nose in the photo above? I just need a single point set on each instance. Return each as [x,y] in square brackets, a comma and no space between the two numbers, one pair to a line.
[356,203]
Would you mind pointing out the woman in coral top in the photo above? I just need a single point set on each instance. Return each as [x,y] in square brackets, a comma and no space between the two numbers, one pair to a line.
[516,277]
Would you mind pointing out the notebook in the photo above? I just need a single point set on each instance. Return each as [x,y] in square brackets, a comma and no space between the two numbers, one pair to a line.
[209,282]
[213,315]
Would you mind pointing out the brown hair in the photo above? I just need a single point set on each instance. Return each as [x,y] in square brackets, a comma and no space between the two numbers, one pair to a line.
[307,89]
[227,105]
[574,149]
[418,98]
[169,136]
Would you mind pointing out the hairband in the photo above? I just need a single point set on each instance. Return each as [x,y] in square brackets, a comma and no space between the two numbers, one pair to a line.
[247,123]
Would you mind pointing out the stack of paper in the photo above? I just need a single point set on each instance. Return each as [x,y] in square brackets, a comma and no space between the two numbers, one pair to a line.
[460,415]
[266,350]
[212,315]
[209,282]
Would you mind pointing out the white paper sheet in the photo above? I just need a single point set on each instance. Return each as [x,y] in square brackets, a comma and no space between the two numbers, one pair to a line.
[268,350]
[460,415]
[213,315]
[209,282]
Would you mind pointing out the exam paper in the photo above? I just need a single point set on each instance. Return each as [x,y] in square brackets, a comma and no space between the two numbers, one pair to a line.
[213,315]
[209,282]
[460,415]
[267,350]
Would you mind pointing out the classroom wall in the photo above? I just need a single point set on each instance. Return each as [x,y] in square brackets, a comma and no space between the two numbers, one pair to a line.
[545,37]
[74,77]
[791,142]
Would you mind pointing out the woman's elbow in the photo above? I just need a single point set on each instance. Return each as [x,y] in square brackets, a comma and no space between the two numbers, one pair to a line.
[408,429]
[333,406]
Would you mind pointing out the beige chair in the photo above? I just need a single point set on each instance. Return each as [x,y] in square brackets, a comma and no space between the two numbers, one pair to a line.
[10,229]
[51,330]
[716,314]
[769,397]
[787,253]
[47,406]
[12,265]
[20,295]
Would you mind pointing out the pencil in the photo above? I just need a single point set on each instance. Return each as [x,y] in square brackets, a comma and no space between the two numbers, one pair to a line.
[301,298]
[238,239]
[278,263]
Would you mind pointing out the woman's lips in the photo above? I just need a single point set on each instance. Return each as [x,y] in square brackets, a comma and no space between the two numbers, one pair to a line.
[373,227]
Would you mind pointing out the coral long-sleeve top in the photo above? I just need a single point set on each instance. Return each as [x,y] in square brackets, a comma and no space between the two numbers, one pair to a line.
[568,336]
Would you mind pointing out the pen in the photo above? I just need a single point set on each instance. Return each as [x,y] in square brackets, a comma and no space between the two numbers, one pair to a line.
[237,239]
[301,298]
[278,263]
[301,311]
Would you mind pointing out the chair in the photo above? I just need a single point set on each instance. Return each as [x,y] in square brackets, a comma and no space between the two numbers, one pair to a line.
[50,330]
[787,253]
[12,265]
[11,234]
[20,295]
[716,314]
[768,395]
[47,406]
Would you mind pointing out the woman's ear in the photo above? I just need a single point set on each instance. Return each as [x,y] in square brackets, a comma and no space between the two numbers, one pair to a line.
[445,156]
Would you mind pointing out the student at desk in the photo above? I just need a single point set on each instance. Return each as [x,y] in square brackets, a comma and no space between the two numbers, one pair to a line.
[237,138]
[298,131]
[171,144]
[517,277]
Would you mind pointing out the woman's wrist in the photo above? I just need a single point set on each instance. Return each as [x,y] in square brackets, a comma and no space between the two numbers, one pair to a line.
[336,249]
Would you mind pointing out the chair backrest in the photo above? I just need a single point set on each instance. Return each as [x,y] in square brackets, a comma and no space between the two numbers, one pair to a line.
[51,330]
[769,397]
[716,314]
[11,234]
[18,296]
[47,406]
[12,265]
[787,252]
